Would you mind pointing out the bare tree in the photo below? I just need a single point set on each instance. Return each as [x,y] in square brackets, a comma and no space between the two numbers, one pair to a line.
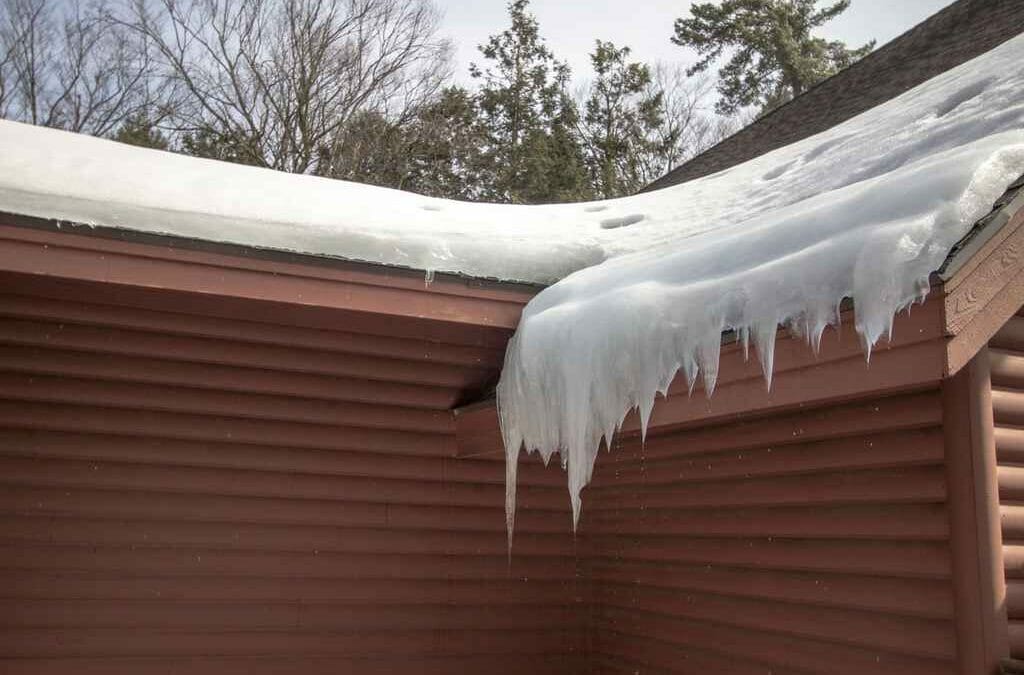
[689,124]
[278,79]
[66,65]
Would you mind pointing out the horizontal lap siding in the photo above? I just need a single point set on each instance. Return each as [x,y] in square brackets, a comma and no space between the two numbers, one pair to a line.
[809,542]
[1006,354]
[202,494]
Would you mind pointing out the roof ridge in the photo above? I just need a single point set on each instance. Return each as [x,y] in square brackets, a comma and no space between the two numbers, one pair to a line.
[964,29]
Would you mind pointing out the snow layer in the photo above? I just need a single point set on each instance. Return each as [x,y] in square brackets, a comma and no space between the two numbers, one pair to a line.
[864,210]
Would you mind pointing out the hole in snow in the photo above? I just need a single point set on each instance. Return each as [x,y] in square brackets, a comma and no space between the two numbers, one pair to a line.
[963,96]
[430,207]
[595,208]
[777,171]
[825,147]
[612,223]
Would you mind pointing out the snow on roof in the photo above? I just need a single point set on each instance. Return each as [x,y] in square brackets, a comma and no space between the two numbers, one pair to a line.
[865,210]
[957,33]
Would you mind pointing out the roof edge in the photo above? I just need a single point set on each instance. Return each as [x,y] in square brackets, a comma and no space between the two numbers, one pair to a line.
[57,252]
[264,253]
[1011,201]
[983,279]
[912,360]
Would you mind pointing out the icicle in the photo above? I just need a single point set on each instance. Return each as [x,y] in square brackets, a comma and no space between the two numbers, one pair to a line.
[764,338]
[608,338]
[866,344]
[646,406]
[609,434]
[511,470]
[825,315]
[709,351]
[814,338]
[690,370]
[793,327]
[667,379]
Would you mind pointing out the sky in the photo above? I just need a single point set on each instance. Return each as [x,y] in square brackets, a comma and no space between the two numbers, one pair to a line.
[571,26]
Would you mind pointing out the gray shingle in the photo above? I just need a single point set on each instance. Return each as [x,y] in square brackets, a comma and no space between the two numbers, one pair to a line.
[956,34]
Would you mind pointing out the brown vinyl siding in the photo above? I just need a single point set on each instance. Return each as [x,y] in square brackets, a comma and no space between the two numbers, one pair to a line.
[804,530]
[788,543]
[195,492]
[1006,353]
[217,464]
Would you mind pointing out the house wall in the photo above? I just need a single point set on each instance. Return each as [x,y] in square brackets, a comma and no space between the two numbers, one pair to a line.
[810,542]
[850,527]
[820,527]
[1006,355]
[192,484]
[260,480]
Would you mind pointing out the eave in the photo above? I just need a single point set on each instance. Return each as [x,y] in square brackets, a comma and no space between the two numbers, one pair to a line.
[978,290]
[443,341]
[125,261]
[983,280]
[838,372]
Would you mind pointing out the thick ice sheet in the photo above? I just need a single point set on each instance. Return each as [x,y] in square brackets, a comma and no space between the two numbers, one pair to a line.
[648,283]
[866,210]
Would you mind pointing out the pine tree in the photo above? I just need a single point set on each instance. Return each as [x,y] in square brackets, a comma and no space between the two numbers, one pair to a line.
[445,147]
[620,117]
[369,149]
[141,131]
[435,152]
[775,57]
[225,145]
[532,152]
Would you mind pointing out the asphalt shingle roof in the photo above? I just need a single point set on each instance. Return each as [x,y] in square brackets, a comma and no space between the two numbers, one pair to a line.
[958,33]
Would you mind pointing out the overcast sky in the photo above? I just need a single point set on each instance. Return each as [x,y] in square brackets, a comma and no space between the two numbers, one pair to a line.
[571,26]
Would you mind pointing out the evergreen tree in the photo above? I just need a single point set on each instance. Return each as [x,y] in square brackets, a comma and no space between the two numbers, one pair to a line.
[532,152]
[621,114]
[435,153]
[445,148]
[139,130]
[775,57]
[553,163]
[368,149]
[225,145]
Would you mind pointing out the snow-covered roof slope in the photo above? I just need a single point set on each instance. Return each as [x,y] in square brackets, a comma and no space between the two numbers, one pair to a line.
[865,210]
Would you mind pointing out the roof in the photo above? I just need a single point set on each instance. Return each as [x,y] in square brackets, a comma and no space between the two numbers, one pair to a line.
[866,210]
[1004,209]
[958,33]
[451,320]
